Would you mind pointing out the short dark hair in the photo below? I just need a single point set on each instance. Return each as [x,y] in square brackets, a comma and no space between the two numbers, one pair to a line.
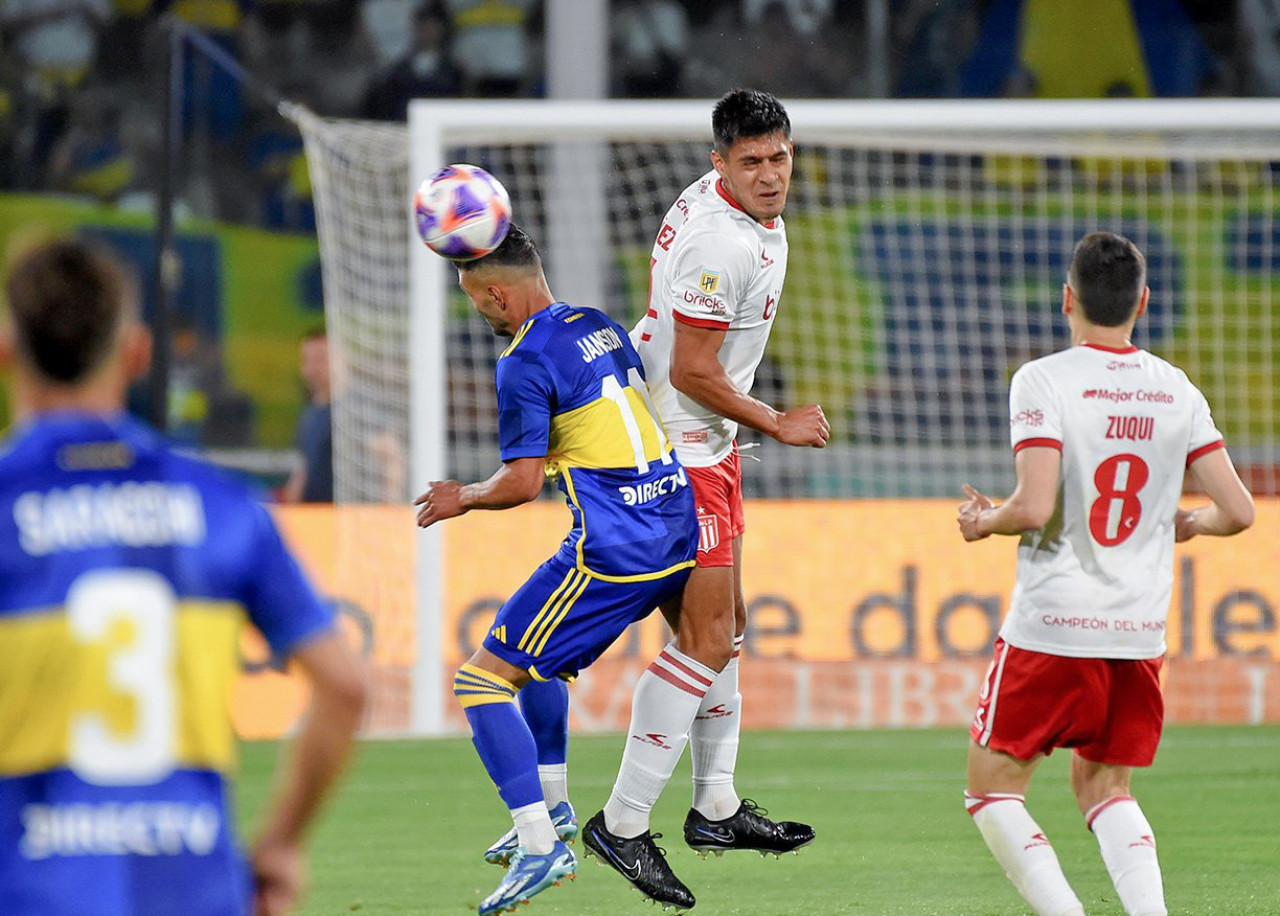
[1108,274]
[746,113]
[516,250]
[66,300]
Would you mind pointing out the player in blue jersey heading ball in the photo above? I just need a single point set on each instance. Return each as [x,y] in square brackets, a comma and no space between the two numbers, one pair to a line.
[572,404]
[126,573]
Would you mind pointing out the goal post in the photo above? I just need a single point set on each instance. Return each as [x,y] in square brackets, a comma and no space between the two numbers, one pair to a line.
[928,247]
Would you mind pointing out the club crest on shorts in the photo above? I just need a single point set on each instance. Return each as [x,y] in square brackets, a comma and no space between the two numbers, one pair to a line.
[708,532]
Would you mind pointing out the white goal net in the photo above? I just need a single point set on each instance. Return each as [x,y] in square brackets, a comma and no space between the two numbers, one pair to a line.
[928,247]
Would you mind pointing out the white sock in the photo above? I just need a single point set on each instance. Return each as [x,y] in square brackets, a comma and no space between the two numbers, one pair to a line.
[1023,851]
[666,699]
[555,783]
[533,825]
[713,743]
[1129,849]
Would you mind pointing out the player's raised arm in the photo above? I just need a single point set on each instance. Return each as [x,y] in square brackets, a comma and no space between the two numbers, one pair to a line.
[696,371]
[515,483]
[1231,508]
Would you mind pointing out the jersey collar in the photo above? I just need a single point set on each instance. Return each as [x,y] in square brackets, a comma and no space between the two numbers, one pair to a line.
[729,199]
[1132,348]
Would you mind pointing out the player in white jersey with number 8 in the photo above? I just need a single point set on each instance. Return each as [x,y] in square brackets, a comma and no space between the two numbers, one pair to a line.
[1103,434]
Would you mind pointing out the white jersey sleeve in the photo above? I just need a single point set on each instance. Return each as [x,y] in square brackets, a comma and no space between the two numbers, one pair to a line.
[1204,435]
[1035,417]
[708,273]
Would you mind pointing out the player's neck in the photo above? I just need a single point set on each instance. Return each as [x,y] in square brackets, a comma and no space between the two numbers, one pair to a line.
[1083,333]
[33,397]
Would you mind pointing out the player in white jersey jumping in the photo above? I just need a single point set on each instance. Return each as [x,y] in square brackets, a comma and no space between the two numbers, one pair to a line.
[1103,433]
[718,267]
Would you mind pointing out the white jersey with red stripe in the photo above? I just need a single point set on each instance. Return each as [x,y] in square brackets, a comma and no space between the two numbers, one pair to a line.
[714,266]
[1095,582]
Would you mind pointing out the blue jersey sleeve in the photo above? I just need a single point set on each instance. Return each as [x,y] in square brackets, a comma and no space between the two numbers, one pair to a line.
[526,400]
[277,596]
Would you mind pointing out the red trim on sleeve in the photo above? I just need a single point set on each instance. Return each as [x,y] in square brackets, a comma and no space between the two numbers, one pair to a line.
[700,322]
[1204,450]
[1043,442]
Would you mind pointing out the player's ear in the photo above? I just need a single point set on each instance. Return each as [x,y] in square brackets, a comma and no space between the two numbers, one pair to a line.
[717,162]
[496,296]
[1068,305]
[1142,303]
[137,351]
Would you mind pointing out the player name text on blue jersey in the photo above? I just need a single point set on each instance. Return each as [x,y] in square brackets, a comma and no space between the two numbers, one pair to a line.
[128,514]
[598,343]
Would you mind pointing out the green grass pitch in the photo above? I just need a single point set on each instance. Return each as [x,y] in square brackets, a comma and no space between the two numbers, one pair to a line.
[406,833]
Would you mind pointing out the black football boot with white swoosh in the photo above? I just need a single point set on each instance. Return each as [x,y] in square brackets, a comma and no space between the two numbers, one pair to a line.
[641,861]
[747,828]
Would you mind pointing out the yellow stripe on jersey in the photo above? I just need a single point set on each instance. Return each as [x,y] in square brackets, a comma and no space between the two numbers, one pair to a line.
[554,621]
[597,436]
[524,329]
[50,680]
[581,549]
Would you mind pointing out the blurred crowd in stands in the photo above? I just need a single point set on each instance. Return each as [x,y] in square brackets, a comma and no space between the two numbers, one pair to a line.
[80,79]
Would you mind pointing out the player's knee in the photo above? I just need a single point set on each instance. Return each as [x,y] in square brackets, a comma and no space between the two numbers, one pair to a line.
[708,649]
[474,686]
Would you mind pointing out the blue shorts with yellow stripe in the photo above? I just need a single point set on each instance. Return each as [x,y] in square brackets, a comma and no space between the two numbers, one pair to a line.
[562,619]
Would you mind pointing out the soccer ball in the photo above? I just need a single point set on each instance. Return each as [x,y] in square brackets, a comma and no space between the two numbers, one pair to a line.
[462,212]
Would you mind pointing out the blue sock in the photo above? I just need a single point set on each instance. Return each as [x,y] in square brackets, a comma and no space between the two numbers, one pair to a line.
[545,705]
[500,734]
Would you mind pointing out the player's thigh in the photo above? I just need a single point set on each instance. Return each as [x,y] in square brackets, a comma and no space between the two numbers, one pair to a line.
[1031,702]
[739,598]
[1134,704]
[562,619]
[990,771]
[706,621]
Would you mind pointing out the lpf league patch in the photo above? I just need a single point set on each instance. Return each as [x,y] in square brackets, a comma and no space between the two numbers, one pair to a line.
[709,282]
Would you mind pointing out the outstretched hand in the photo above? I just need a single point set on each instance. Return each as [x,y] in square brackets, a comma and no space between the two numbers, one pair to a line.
[442,500]
[804,426]
[970,510]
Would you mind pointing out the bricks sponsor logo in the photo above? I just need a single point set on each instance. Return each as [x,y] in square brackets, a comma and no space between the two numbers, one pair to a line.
[1032,416]
[710,303]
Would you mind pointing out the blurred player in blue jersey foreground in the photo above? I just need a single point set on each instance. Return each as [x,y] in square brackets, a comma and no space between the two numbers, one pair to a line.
[572,403]
[126,572]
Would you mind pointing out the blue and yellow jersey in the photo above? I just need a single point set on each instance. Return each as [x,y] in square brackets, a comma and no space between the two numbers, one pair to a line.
[571,389]
[126,573]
